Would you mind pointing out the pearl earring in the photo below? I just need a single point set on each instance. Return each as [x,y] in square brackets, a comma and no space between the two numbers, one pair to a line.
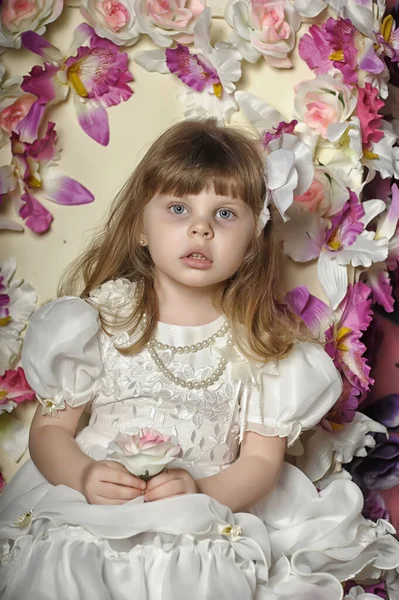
[142,242]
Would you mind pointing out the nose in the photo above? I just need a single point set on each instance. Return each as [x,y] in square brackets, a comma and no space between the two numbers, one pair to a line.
[201,229]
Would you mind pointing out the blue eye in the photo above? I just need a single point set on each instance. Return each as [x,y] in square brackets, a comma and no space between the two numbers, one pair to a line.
[226,214]
[177,209]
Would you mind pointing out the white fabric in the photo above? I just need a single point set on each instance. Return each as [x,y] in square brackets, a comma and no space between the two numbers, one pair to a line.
[297,543]
[61,354]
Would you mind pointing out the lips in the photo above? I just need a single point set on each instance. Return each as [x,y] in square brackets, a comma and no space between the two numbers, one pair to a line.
[200,251]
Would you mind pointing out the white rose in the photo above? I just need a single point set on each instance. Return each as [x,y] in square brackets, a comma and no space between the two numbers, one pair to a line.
[264,28]
[114,298]
[144,452]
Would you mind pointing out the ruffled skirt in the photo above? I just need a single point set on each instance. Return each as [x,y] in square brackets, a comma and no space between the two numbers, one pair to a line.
[298,543]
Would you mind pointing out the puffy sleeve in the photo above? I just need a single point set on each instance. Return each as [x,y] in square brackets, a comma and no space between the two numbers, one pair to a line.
[293,394]
[61,354]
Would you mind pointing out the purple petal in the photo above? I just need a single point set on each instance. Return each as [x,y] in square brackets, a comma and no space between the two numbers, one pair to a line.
[312,311]
[37,218]
[371,63]
[40,82]
[28,127]
[65,190]
[44,149]
[190,68]
[93,119]
[38,45]
[381,288]
[386,411]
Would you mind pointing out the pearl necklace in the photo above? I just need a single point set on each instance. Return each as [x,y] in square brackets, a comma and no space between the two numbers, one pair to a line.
[154,345]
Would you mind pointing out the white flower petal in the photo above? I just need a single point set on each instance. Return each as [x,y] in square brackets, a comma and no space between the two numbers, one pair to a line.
[198,105]
[153,61]
[364,251]
[372,209]
[333,278]
[309,8]
[261,115]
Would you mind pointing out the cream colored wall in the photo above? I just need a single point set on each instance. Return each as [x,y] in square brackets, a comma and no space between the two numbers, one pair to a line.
[133,125]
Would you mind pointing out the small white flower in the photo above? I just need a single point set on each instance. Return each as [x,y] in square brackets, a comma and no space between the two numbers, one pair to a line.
[233,532]
[24,520]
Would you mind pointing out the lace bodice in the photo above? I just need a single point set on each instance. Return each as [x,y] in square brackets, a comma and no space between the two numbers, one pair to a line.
[124,392]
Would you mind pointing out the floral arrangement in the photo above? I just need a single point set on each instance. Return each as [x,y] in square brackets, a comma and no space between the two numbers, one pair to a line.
[331,168]
[144,452]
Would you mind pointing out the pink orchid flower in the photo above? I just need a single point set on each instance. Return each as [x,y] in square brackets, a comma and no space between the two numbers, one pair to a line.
[342,331]
[96,72]
[34,169]
[14,389]
[338,44]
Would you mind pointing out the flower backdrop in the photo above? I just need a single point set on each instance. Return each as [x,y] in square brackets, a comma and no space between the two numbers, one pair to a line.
[332,167]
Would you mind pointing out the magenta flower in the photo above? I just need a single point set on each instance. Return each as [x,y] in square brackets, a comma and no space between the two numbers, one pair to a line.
[367,109]
[97,74]
[378,589]
[2,482]
[343,337]
[278,131]
[346,225]
[375,507]
[332,45]
[14,388]
[34,169]
[342,332]
[192,69]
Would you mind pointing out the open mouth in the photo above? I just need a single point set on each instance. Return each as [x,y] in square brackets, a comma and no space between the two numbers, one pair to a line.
[197,256]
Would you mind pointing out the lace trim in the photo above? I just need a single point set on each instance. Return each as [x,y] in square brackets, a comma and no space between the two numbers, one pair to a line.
[270,428]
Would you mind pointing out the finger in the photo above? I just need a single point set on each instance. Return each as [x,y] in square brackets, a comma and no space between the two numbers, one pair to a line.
[171,488]
[121,478]
[160,479]
[120,492]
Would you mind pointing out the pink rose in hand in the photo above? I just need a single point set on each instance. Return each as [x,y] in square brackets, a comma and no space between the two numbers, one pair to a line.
[144,452]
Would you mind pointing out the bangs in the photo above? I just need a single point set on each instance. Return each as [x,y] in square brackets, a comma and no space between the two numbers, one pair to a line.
[200,155]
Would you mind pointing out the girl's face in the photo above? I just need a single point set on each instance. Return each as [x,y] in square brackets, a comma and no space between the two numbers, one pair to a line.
[199,240]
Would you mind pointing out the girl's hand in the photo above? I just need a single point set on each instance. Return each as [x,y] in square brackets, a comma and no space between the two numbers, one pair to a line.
[170,483]
[109,482]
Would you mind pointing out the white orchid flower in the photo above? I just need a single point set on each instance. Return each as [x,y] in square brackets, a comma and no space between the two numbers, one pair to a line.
[209,74]
[326,451]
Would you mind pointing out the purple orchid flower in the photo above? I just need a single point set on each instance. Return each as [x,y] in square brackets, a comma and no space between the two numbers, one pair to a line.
[192,69]
[278,131]
[343,344]
[379,470]
[96,73]
[34,169]
[375,507]
[378,589]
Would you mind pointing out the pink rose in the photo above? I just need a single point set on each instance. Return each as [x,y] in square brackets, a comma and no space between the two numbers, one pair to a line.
[15,11]
[17,16]
[269,18]
[166,21]
[115,14]
[264,28]
[313,197]
[323,102]
[13,114]
[319,115]
[145,452]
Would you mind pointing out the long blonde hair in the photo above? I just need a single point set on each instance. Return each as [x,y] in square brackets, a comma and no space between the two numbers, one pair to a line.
[184,160]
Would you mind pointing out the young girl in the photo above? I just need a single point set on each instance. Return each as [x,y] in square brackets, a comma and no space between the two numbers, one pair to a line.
[179,328]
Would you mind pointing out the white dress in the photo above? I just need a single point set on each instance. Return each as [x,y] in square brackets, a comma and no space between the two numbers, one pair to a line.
[296,544]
